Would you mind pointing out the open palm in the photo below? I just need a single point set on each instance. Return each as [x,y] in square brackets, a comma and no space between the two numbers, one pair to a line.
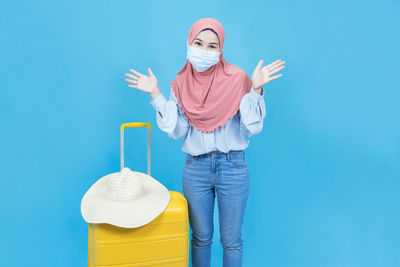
[142,82]
[262,76]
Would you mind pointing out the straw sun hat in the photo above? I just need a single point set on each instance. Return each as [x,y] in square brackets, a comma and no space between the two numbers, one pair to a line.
[126,199]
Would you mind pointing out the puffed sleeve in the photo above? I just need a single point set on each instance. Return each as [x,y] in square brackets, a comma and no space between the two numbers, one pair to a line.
[170,117]
[252,112]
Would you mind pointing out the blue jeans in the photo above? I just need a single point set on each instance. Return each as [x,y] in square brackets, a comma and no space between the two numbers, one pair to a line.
[225,174]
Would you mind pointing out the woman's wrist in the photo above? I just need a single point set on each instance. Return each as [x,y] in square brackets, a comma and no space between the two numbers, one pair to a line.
[258,90]
[155,93]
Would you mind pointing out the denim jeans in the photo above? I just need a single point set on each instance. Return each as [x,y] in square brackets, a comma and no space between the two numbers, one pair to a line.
[226,176]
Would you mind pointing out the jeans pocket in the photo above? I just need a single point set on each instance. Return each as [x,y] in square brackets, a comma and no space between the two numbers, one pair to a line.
[189,159]
[238,161]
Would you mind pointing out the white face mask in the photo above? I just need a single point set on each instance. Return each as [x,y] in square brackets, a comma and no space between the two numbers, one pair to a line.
[202,59]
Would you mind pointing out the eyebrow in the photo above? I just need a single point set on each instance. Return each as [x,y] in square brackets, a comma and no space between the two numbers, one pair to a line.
[202,41]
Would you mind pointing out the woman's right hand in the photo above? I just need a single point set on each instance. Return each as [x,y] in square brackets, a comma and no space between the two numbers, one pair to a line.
[148,84]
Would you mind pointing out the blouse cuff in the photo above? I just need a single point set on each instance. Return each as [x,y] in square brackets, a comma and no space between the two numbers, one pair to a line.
[254,95]
[158,102]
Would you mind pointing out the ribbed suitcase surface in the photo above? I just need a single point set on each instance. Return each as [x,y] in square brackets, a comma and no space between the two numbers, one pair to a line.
[162,242]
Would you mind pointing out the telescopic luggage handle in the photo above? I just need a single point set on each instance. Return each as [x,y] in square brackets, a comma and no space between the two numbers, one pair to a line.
[135,125]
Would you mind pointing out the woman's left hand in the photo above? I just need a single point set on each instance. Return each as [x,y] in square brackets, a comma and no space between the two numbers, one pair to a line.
[262,76]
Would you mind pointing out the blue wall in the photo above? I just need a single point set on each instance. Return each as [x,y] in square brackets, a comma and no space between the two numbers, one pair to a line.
[325,170]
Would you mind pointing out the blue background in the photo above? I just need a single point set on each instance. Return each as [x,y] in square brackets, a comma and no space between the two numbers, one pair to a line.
[325,170]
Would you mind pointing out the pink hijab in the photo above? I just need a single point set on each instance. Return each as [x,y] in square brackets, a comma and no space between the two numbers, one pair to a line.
[212,97]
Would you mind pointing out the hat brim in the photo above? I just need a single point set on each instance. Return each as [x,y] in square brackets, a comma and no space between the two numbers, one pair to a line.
[96,208]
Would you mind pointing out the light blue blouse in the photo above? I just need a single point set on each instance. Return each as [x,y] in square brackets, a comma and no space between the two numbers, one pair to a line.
[231,136]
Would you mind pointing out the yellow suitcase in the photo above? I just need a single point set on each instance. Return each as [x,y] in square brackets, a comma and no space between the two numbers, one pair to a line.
[162,242]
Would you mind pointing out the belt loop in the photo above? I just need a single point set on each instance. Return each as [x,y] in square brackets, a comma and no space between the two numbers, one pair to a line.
[228,155]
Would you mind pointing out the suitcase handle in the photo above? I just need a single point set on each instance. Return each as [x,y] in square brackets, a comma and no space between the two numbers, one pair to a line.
[134,125]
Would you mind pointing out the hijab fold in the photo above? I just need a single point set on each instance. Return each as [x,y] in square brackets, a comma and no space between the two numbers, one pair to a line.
[212,97]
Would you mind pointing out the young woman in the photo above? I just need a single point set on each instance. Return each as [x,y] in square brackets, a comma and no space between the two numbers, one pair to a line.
[214,104]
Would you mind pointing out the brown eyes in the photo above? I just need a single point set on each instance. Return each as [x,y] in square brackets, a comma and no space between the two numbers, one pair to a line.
[212,46]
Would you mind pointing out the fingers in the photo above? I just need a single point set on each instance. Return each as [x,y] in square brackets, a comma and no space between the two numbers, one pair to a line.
[275,70]
[136,73]
[274,63]
[135,79]
[131,81]
[259,65]
[132,76]
[150,72]
[273,67]
[276,76]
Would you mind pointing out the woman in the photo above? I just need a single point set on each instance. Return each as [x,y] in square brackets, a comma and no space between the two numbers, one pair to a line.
[214,104]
